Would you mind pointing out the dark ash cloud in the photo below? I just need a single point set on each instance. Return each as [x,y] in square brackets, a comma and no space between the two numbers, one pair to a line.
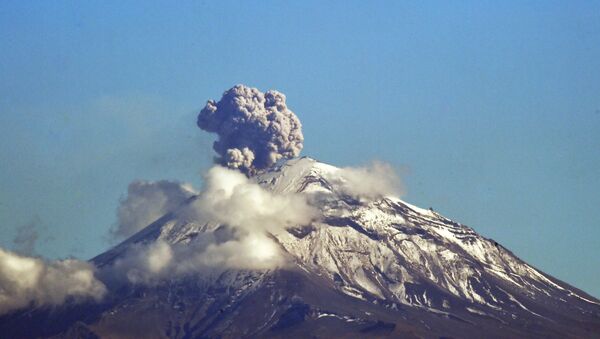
[27,237]
[254,129]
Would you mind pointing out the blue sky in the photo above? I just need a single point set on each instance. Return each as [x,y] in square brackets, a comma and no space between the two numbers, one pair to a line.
[491,112]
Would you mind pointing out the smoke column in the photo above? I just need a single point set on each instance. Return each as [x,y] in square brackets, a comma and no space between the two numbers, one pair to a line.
[254,129]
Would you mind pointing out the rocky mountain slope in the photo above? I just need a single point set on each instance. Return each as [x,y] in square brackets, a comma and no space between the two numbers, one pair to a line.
[368,268]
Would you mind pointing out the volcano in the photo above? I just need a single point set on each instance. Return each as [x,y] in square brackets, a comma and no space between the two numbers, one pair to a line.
[366,268]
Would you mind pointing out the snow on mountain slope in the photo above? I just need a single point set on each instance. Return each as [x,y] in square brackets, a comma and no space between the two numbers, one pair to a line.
[391,252]
[388,249]
[367,267]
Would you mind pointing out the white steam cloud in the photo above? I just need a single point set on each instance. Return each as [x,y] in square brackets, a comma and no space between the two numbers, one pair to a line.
[232,199]
[251,251]
[143,264]
[368,182]
[147,201]
[151,263]
[248,212]
[26,280]
[254,129]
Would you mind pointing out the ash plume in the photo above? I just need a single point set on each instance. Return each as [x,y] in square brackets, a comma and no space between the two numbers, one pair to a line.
[254,129]
[27,237]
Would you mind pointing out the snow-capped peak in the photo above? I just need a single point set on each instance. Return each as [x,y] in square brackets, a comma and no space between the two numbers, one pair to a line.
[386,251]
[369,264]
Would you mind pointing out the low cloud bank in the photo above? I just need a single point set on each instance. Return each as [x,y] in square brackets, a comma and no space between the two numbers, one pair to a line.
[27,280]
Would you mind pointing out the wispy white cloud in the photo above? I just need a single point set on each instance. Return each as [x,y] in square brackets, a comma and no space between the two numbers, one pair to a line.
[146,201]
[372,181]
